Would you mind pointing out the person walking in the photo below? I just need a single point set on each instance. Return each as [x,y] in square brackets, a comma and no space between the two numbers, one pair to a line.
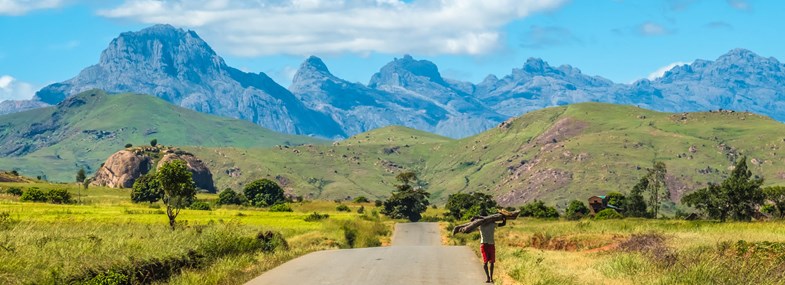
[487,246]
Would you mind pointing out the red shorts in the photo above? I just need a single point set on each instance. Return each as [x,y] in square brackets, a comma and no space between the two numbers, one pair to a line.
[488,252]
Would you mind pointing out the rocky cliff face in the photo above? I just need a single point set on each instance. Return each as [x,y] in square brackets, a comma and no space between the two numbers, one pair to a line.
[122,168]
[178,66]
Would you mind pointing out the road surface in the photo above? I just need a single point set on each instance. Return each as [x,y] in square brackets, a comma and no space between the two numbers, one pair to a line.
[415,257]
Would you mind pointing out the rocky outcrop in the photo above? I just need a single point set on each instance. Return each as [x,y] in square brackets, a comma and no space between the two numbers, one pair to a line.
[202,176]
[122,168]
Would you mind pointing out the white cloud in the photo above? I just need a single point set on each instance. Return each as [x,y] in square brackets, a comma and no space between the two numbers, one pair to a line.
[303,27]
[652,29]
[12,89]
[739,4]
[661,71]
[20,7]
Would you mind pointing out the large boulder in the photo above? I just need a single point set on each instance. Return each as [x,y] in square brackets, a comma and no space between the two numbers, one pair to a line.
[122,168]
[201,174]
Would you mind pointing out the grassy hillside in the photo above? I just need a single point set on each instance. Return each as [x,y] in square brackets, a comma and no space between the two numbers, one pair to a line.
[85,129]
[555,154]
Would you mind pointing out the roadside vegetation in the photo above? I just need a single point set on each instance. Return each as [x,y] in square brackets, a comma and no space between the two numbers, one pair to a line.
[108,239]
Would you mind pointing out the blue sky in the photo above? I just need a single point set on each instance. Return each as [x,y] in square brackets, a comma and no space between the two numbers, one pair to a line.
[47,41]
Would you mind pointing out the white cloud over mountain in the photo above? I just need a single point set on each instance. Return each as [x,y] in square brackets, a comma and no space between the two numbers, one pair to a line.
[661,71]
[21,7]
[302,27]
[12,89]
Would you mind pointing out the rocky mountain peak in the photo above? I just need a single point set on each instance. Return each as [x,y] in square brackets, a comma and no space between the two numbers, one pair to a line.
[311,69]
[403,68]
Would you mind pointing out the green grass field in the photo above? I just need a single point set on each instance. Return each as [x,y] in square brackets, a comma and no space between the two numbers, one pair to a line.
[637,251]
[48,243]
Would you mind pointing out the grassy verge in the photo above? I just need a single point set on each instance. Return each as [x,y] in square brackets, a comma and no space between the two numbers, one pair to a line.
[636,251]
[108,239]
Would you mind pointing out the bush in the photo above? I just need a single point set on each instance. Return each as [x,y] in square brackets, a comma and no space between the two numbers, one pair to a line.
[464,206]
[200,205]
[361,210]
[16,191]
[58,196]
[616,199]
[537,209]
[230,197]
[154,142]
[263,193]
[608,214]
[576,210]
[361,199]
[16,173]
[343,208]
[313,217]
[128,145]
[282,207]
[146,189]
[378,203]
[33,194]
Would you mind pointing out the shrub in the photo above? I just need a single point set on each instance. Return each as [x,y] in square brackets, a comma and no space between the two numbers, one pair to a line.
[378,203]
[200,205]
[361,210]
[281,207]
[58,196]
[464,206]
[128,145]
[33,194]
[576,210]
[608,214]
[343,208]
[361,199]
[230,197]
[146,189]
[263,192]
[313,217]
[154,142]
[15,173]
[16,191]
[537,209]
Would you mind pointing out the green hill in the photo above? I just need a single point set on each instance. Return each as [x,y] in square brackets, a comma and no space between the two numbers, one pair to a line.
[554,154]
[84,130]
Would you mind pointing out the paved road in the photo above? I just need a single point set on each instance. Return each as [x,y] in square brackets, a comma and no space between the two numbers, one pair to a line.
[415,257]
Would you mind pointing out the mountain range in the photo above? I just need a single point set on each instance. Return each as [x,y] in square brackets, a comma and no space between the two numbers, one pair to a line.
[178,66]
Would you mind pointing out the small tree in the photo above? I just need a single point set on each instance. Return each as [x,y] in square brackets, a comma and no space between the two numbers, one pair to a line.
[406,201]
[737,197]
[154,142]
[658,190]
[576,210]
[361,199]
[230,197]
[33,194]
[146,189]
[635,204]
[80,175]
[616,199]
[537,209]
[776,195]
[466,205]
[178,187]
[263,193]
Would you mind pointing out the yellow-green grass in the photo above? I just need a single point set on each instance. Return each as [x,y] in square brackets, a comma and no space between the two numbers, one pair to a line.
[531,251]
[42,242]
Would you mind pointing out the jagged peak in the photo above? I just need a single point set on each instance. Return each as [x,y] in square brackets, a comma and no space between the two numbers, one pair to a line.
[315,63]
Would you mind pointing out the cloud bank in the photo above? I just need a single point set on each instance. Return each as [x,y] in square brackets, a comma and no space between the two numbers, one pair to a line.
[21,7]
[12,89]
[303,27]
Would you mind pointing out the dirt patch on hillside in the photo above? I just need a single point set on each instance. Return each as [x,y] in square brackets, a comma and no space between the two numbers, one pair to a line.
[562,130]
[527,186]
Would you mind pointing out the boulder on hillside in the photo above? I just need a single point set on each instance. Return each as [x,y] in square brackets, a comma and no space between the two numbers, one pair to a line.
[122,168]
[201,174]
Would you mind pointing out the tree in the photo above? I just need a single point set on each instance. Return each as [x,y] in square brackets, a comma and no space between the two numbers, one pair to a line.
[263,193]
[146,189]
[737,197]
[537,209]
[576,210]
[178,187]
[154,142]
[616,199]
[128,145]
[230,197]
[80,175]
[635,204]
[406,201]
[465,205]
[658,190]
[776,195]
